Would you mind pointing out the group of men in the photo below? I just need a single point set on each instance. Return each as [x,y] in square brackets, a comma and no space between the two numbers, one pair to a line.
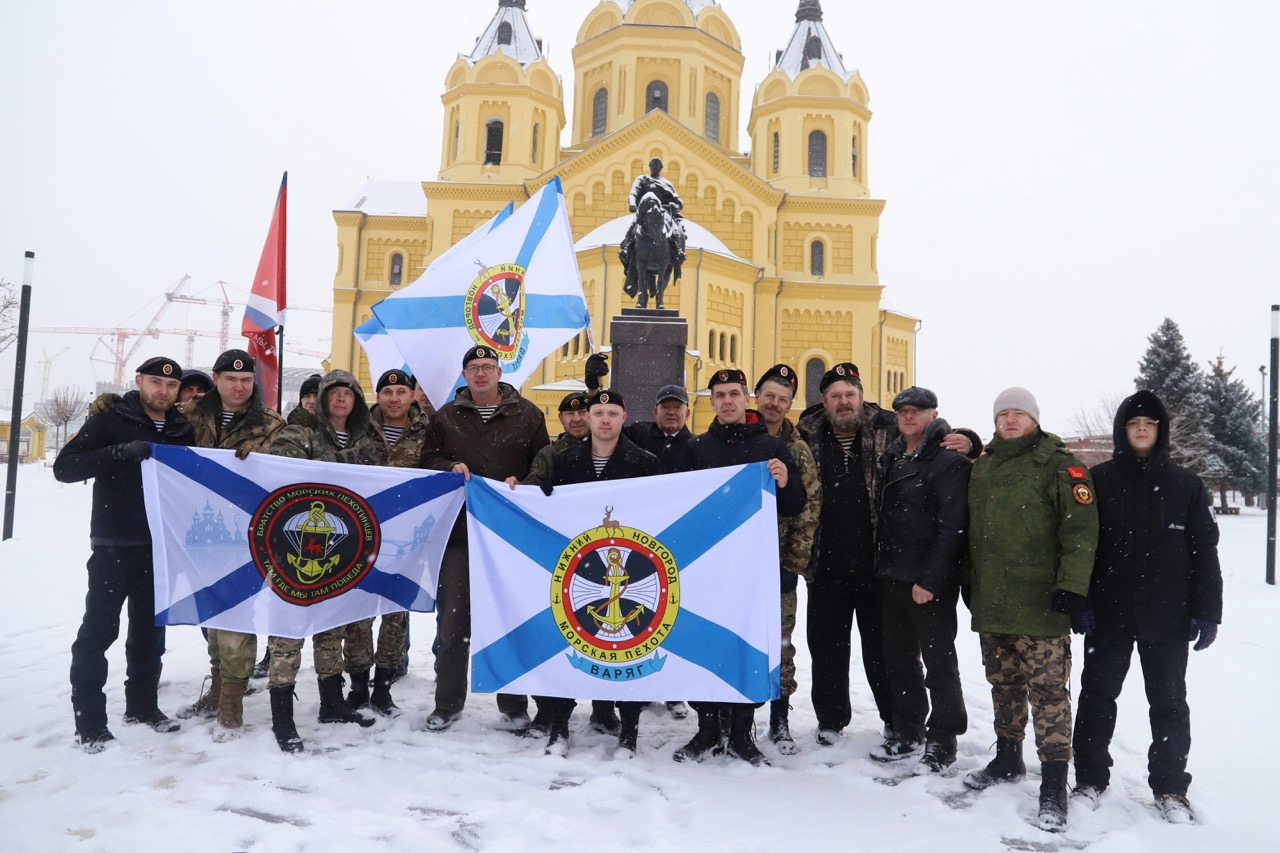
[890,517]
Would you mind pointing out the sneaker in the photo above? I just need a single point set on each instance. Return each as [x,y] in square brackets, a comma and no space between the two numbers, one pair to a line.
[1176,808]
[155,719]
[95,742]
[1087,796]
[936,759]
[438,721]
[895,749]
[516,723]
[829,737]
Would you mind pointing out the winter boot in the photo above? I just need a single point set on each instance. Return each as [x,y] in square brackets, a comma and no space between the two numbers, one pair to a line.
[230,712]
[742,737]
[381,698]
[333,708]
[155,719]
[1053,796]
[96,741]
[604,719]
[1007,766]
[1176,808]
[282,719]
[706,741]
[938,756]
[779,729]
[207,704]
[262,668]
[359,695]
[558,733]
[629,733]
[896,748]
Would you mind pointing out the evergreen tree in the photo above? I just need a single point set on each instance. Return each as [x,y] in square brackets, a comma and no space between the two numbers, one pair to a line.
[1167,370]
[1234,413]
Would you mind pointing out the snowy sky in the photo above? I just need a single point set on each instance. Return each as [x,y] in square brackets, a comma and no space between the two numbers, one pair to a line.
[1059,176]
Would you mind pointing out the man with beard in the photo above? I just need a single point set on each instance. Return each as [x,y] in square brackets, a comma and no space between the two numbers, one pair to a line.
[774,393]
[848,436]
[109,448]
[736,437]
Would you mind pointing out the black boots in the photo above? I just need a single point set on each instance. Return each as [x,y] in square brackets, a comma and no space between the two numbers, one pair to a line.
[1007,766]
[333,708]
[359,695]
[381,699]
[779,729]
[1053,796]
[707,740]
[742,738]
[282,719]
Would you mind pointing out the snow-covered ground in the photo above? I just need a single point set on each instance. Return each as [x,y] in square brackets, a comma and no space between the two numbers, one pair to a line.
[474,788]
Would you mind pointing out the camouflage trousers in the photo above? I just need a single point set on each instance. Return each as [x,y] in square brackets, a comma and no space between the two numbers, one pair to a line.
[1021,668]
[233,654]
[326,651]
[789,601]
[358,650]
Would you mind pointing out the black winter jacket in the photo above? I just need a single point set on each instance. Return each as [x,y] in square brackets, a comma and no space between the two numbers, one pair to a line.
[1157,560]
[924,513]
[574,464]
[670,449]
[738,444]
[119,518]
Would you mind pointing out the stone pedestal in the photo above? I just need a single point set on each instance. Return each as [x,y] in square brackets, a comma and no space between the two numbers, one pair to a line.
[648,352]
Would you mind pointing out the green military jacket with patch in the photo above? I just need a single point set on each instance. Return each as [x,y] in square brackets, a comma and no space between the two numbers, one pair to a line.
[407,451]
[1033,529]
[251,429]
[796,533]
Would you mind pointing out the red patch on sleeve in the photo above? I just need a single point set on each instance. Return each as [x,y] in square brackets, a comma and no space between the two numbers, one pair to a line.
[1077,473]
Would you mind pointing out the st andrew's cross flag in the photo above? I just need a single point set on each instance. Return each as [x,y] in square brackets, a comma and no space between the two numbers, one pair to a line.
[381,350]
[517,291]
[646,589]
[291,547]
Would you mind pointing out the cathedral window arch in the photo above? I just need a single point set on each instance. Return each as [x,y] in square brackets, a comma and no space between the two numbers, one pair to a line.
[493,130]
[504,33]
[855,156]
[817,258]
[656,96]
[813,370]
[813,48]
[537,132]
[713,117]
[723,340]
[711,344]
[817,154]
[733,349]
[457,130]
[600,112]
[397,270]
[777,152]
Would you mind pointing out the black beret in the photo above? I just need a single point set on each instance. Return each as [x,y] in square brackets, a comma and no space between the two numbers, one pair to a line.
[310,385]
[160,366]
[396,377]
[920,398]
[781,373]
[196,379]
[575,402]
[235,360]
[845,371]
[479,352]
[605,395]
[728,374]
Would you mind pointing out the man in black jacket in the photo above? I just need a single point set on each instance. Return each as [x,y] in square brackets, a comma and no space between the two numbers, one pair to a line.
[738,436]
[924,512]
[109,448]
[1156,581]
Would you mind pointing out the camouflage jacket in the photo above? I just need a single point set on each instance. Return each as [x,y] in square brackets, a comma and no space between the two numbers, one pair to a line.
[796,533]
[251,429]
[301,417]
[541,470]
[408,448]
[365,444]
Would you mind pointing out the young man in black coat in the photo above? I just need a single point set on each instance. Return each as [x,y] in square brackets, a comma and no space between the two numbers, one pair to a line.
[109,448]
[1156,581]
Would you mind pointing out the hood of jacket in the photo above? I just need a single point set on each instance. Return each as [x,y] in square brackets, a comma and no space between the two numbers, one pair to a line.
[1142,403]
[358,420]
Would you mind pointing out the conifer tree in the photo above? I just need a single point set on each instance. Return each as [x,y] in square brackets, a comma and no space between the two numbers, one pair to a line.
[1234,413]
[1168,370]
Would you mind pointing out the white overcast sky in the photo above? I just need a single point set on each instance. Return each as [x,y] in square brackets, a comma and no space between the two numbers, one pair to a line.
[1060,176]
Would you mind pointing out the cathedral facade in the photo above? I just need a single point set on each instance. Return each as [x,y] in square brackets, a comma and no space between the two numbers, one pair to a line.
[781,232]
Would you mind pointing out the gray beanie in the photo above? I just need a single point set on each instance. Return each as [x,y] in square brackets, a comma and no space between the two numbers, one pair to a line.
[1017,398]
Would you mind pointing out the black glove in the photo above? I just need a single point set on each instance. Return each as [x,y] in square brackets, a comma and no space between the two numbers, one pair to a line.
[131,451]
[104,404]
[1084,622]
[597,366]
[1207,632]
[1070,603]
[546,488]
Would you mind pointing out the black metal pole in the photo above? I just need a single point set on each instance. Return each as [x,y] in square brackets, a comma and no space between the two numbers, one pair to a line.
[280,369]
[19,371]
[1271,442]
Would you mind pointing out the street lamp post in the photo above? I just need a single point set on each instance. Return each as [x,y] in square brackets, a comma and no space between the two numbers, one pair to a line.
[19,371]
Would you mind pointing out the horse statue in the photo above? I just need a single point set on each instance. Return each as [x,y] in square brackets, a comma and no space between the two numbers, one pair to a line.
[651,258]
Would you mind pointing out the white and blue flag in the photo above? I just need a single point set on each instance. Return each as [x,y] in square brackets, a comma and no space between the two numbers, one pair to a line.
[646,589]
[515,290]
[379,348]
[292,547]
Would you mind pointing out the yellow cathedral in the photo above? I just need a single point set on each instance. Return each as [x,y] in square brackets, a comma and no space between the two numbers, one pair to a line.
[781,239]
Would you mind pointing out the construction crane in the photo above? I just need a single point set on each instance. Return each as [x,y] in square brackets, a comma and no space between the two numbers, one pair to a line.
[47,361]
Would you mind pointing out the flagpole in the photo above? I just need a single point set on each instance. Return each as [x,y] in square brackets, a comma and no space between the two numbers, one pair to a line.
[280,369]
[19,373]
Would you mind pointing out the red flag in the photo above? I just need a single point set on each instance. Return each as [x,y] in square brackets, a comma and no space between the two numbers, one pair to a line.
[265,308]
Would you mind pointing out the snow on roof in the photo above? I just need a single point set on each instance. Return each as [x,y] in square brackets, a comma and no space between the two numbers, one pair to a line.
[612,232]
[515,39]
[695,6]
[793,58]
[389,198]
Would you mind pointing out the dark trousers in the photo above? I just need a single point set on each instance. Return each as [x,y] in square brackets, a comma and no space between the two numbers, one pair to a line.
[833,602]
[912,633]
[116,575]
[561,709]
[453,604]
[1164,672]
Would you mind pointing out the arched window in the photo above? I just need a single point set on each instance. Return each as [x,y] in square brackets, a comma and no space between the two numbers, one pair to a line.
[813,48]
[777,152]
[493,143]
[504,33]
[397,269]
[713,117]
[813,371]
[537,128]
[817,259]
[723,336]
[733,349]
[855,158]
[817,154]
[600,112]
[655,96]
[711,344]
[457,128]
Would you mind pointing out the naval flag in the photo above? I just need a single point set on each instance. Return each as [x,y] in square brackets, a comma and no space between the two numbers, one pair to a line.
[265,308]
[516,290]
[647,589]
[269,545]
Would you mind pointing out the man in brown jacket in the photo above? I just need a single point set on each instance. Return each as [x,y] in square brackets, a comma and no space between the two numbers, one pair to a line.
[488,430]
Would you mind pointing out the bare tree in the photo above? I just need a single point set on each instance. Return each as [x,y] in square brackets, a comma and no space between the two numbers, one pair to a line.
[66,404]
[1097,420]
[8,314]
